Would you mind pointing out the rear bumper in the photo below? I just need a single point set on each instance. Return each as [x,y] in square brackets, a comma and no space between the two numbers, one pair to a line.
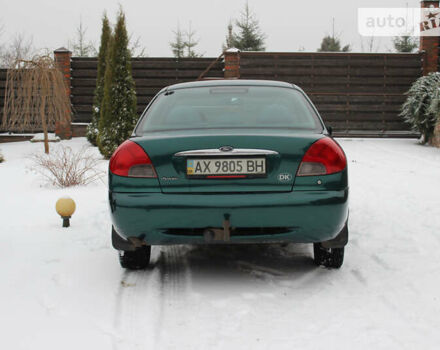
[298,216]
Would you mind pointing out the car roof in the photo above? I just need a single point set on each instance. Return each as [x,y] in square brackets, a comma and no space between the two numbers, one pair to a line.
[230,82]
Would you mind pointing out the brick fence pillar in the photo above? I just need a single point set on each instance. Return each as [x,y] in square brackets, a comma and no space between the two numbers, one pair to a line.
[429,44]
[62,57]
[232,64]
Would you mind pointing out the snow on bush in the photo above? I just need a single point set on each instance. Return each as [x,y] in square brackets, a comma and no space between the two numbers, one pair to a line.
[65,167]
[422,106]
[2,159]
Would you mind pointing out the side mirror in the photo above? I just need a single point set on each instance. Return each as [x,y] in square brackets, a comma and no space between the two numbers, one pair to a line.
[330,130]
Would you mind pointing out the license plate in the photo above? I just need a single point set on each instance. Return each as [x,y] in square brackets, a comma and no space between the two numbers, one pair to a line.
[226,166]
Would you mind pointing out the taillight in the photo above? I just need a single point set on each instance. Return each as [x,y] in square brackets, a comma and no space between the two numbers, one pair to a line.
[324,157]
[130,160]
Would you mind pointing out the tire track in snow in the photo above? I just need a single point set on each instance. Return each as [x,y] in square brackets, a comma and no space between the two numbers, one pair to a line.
[174,277]
[134,310]
[143,299]
[359,277]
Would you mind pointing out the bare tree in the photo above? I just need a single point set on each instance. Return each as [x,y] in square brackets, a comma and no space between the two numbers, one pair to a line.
[35,97]
[369,44]
[80,46]
[136,48]
[2,28]
[20,48]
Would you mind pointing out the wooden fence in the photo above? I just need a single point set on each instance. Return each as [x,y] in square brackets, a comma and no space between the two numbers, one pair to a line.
[150,76]
[357,94]
[3,73]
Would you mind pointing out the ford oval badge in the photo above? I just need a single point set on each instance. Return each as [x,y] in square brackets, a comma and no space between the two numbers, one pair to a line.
[226,149]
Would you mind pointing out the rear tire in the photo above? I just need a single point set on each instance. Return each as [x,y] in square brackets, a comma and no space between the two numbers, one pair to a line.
[135,260]
[328,257]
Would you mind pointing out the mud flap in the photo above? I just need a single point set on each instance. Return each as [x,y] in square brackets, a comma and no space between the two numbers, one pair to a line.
[340,241]
[127,245]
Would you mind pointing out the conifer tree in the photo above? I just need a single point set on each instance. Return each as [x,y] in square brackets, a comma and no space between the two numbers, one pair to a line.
[249,36]
[332,44]
[190,42]
[92,129]
[118,112]
[405,43]
[184,43]
[230,38]
[178,45]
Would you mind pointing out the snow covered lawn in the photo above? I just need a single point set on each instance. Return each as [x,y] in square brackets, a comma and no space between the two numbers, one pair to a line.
[63,288]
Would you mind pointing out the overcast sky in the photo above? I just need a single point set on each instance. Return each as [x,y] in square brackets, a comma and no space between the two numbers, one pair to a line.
[288,24]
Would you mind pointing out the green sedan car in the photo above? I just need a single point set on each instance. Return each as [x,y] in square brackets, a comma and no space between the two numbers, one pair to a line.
[229,162]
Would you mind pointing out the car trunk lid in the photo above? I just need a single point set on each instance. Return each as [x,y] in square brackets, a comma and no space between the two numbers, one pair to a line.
[281,150]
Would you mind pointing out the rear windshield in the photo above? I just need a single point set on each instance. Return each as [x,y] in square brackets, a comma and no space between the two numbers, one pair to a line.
[230,107]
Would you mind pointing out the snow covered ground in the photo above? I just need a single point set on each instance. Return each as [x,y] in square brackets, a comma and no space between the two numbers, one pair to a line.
[63,288]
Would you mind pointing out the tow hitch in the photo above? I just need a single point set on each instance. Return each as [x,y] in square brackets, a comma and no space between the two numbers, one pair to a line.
[219,234]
